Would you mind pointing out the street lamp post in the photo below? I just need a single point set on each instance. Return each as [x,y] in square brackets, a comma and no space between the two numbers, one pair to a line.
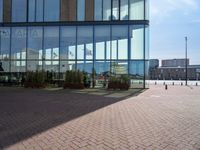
[186,64]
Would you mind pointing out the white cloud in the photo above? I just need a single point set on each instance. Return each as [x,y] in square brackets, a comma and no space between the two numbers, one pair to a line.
[160,9]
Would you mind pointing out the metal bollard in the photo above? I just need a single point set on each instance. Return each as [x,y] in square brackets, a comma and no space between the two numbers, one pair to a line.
[164,83]
[155,83]
[166,87]
[181,83]
[196,84]
[173,83]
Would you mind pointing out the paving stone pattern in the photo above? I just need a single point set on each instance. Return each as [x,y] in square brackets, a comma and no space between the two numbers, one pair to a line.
[155,119]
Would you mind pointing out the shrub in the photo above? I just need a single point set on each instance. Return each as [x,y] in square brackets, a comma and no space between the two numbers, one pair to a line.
[74,80]
[122,83]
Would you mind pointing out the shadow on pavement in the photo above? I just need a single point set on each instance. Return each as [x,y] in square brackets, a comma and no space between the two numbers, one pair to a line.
[27,112]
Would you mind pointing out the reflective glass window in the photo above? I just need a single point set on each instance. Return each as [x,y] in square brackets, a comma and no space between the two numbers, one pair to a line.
[115,10]
[19,8]
[124,10]
[34,46]
[137,41]
[34,65]
[136,9]
[106,9]
[18,49]
[39,10]
[136,71]
[31,10]
[68,42]
[102,37]
[119,68]
[5,44]
[66,65]
[1,10]
[119,42]
[80,10]
[18,43]
[147,42]
[98,10]
[52,10]
[85,42]
[51,46]
[147,9]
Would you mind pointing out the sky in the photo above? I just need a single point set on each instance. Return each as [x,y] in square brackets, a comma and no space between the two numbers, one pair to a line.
[170,22]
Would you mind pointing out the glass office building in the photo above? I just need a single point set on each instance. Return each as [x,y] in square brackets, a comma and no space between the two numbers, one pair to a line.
[110,37]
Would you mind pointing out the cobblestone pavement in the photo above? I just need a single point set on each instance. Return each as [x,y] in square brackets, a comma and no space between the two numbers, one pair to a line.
[155,119]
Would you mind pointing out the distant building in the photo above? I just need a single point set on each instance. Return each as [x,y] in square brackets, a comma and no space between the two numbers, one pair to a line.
[174,62]
[153,63]
[174,69]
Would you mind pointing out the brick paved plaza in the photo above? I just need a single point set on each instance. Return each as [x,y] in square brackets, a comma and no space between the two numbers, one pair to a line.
[92,120]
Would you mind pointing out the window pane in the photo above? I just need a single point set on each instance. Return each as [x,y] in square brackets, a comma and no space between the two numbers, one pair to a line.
[18,44]
[66,65]
[5,44]
[136,70]
[115,10]
[39,10]
[119,68]
[1,10]
[51,11]
[98,10]
[136,9]
[19,10]
[137,42]
[102,35]
[34,47]
[85,42]
[34,65]
[119,42]
[80,10]
[124,10]
[147,9]
[68,42]
[51,46]
[106,9]
[31,10]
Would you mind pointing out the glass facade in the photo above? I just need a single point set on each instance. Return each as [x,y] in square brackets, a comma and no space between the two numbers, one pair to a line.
[110,45]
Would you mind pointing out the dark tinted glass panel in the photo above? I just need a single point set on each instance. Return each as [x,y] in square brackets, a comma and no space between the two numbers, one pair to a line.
[19,8]
[98,9]
[1,10]
[80,10]
[5,44]
[52,10]
[31,10]
[106,9]
[34,47]
[68,42]
[85,42]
